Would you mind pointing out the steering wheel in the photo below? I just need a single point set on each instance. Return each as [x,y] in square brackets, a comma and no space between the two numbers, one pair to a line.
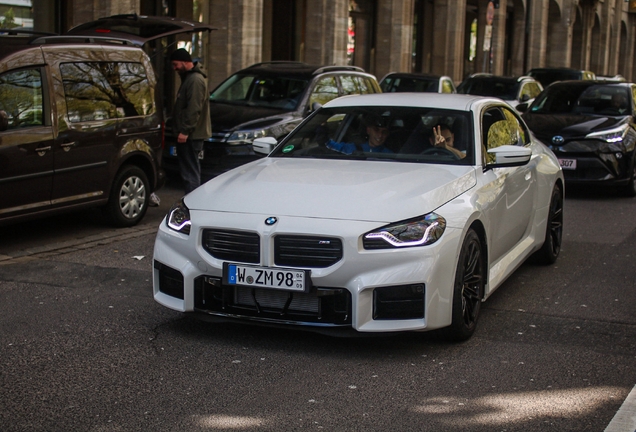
[440,151]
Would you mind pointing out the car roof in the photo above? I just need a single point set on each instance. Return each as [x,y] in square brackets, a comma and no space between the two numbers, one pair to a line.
[425,100]
[414,75]
[296,68]
[138,29]
[589,83]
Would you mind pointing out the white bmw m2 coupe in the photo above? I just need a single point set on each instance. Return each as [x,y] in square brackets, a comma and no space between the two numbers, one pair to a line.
[378,213]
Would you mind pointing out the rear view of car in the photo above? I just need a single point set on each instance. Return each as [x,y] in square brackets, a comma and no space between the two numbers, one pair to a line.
[547,76]
[416,82]
[515,91]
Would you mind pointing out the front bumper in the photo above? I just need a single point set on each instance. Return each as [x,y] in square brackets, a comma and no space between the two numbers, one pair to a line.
[368,291]
[596,162]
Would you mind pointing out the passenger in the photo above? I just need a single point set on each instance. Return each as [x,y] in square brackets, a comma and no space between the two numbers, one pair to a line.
[619,102]
[444,138]
[377,131]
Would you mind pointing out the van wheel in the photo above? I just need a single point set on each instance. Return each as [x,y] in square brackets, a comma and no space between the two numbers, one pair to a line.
[629,190]
[129,197]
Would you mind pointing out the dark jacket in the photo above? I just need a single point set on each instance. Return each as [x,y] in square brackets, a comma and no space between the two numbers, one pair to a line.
[191,113]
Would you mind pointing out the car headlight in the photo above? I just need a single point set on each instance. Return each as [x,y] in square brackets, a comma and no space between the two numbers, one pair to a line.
[179,218]
[246,136]
[420,231]
[611,135]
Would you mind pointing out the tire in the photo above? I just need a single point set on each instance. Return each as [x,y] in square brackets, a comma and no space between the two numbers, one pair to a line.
[554,230]
[129,197]
[468,290]
[629,190]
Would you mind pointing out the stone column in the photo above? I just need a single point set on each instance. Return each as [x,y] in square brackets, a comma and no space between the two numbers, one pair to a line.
[499,39]
[448,38]
[238,41]
[326,32]
[537,33]
[394,37]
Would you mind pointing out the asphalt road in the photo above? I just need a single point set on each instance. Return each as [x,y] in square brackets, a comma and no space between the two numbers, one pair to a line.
[84,347]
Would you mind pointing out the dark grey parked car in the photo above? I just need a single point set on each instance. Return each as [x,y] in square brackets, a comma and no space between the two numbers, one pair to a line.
[590,127]
[267,99]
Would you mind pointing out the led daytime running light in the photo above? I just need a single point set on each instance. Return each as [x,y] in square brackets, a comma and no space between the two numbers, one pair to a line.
[394,241]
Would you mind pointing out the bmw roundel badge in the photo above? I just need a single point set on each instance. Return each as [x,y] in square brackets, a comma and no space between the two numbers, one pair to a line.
[271,220]
[557,140]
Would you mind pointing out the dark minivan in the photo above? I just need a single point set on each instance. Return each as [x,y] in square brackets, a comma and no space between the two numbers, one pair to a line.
[81,122]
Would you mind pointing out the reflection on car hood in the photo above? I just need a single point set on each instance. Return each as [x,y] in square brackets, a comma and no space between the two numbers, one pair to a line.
[226,117]
[569,126]
[333,189]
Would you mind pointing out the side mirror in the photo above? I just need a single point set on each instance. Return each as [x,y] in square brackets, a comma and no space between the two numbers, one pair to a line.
[4,121]
[522,107]
[264,146]
[509,156]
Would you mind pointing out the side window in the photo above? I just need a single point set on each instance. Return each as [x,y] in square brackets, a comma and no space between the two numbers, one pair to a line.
[633,97]
[364,85]
[501,127]
[326,89]
[98,91]
[21,98]
[447,87]
[349,86]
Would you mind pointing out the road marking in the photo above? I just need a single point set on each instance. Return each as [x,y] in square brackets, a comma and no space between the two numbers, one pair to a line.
[625,418]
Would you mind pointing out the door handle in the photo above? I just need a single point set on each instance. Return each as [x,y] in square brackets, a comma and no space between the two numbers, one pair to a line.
[42,150]
[67,146]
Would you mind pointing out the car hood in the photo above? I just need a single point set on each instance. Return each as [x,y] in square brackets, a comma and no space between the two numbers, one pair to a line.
[569,126]
[227,117]
[333,189]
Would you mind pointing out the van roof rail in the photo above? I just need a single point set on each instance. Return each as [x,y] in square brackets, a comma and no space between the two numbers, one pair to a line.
[81,39]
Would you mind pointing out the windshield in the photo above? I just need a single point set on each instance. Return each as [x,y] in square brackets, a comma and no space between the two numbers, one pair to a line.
[548,77]
[390,85]
[395,134]
[587,100]
[506,90]
[255,90]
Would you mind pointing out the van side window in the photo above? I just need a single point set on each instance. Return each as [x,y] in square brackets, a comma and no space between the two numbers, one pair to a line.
[98,91]
[21,98]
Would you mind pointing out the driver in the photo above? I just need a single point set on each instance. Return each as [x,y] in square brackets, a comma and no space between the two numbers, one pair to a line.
[377,131]
[444,138]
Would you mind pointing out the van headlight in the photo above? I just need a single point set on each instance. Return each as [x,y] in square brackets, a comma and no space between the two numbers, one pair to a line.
[178,218]
[420,231]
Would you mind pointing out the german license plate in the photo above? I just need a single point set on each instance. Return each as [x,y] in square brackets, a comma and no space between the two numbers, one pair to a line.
[265,277]
[568,164]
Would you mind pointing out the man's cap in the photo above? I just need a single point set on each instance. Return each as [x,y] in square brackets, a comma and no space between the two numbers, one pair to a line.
[181,55]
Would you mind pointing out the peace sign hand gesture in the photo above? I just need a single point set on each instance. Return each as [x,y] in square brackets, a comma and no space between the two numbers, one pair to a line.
[440,141]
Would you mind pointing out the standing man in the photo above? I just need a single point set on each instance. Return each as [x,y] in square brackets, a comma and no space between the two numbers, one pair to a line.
[191,117]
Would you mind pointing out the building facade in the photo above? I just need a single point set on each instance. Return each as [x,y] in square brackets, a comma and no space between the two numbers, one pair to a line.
[449,37]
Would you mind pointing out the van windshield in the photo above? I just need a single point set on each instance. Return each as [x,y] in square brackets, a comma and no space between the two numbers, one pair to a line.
[255,90]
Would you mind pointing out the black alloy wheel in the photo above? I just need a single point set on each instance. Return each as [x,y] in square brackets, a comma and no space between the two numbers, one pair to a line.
[468,292]
[629,190]
[554,231]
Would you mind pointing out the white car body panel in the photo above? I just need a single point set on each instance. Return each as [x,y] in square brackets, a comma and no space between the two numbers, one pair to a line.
[345,199]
